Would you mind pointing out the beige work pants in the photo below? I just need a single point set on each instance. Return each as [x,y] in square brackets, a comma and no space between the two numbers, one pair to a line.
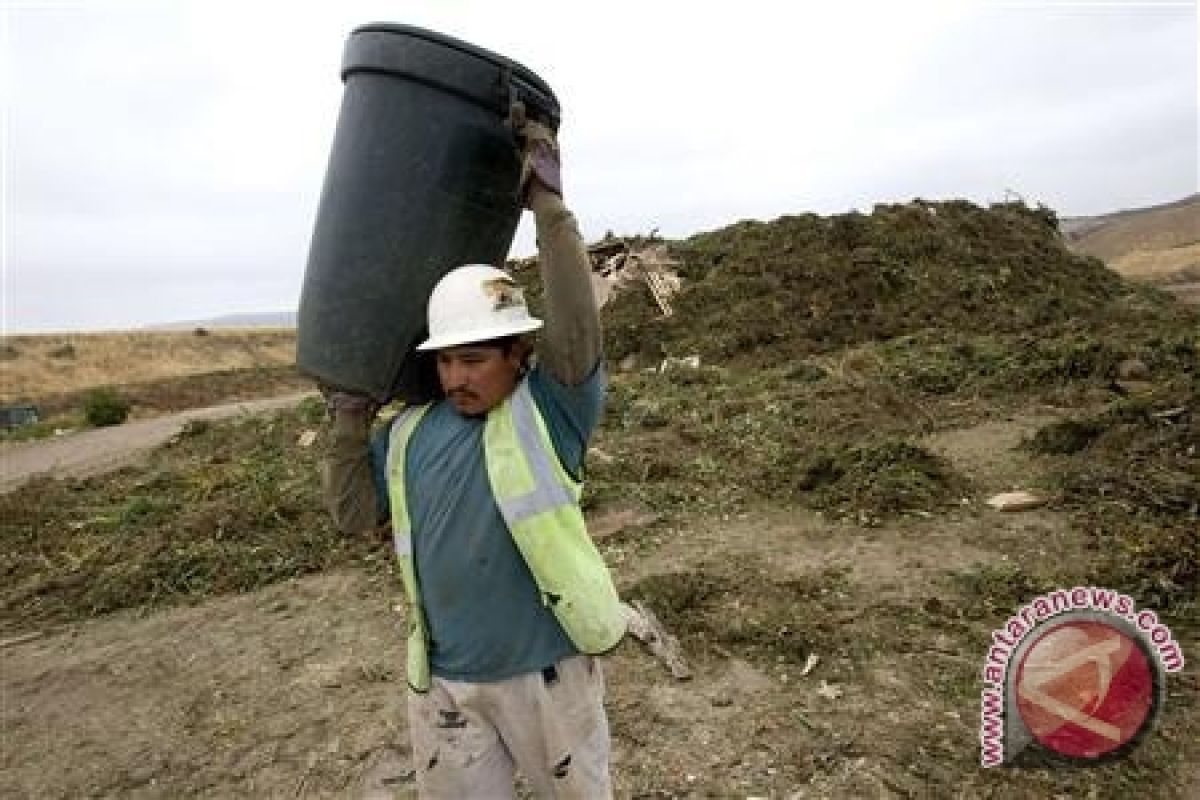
[469,738]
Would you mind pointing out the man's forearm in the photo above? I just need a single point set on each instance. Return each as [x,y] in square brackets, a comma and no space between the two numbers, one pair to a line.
[571,342]
[346,480]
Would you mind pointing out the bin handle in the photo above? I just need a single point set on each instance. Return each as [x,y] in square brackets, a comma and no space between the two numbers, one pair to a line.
[512,98]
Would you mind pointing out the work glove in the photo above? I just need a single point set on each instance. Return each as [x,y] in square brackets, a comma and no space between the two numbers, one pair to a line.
[539,154]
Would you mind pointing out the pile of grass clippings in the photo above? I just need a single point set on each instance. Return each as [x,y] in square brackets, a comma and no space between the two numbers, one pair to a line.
[1131,476]
[806,284]
[227,507]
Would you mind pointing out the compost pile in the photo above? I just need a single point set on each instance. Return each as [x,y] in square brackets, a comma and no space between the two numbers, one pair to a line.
[808,284]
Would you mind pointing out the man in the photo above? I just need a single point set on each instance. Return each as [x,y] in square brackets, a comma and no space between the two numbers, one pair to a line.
[508,598]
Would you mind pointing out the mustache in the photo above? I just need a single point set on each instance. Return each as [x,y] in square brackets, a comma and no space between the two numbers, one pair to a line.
[462,394]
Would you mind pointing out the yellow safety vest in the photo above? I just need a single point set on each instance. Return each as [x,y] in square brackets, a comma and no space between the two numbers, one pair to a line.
[539,501]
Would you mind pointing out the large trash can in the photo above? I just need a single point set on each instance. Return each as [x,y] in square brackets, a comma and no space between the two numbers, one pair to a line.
[422,178]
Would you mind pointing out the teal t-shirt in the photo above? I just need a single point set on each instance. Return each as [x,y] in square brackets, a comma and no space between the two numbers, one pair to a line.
[485,614]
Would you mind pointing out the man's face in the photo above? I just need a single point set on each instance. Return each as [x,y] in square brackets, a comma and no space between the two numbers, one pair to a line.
[476,378]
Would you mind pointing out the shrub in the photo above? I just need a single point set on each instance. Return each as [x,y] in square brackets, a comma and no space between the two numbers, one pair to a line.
[105,406]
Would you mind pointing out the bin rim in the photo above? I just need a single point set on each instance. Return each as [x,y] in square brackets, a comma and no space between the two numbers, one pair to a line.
[525,73]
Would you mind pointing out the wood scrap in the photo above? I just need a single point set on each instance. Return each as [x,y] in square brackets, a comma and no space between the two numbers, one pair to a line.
[1016,501]
[644,625]
[618,262]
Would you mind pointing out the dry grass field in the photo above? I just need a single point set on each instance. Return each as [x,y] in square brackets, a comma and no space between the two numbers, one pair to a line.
[36,366]
[1160,227]
[1175,265]
[1159,246]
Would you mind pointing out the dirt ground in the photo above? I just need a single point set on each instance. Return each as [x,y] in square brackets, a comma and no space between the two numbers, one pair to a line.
[295,691]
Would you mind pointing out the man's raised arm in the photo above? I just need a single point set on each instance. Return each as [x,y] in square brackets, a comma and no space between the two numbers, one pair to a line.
[570,345]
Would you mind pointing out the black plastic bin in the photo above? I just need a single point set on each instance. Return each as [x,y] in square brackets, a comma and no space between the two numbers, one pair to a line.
[422,178]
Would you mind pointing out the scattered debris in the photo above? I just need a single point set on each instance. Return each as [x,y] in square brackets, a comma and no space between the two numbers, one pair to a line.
[1016,501]
[809,664]
[618,262]
[1170,413]
[829,691]
[307,438]
[679,362]
[644,625]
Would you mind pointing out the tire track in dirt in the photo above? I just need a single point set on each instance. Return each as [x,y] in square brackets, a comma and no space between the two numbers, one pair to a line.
[94,452]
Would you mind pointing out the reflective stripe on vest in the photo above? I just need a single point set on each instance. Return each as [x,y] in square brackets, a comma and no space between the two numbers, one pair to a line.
[549,491]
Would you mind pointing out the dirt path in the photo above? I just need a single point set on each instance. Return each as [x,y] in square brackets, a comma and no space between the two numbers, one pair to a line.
[101,450]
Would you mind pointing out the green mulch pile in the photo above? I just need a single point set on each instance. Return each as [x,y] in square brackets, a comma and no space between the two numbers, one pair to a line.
[225,507]
[762,292]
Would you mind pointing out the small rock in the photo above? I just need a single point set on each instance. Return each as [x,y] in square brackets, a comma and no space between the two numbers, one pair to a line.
[1133,369]
[307,438]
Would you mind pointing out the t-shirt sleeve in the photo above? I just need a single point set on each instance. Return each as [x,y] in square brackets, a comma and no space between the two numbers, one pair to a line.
[572,413]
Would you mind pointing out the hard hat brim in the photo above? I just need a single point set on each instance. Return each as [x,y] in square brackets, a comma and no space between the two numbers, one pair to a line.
[480,335]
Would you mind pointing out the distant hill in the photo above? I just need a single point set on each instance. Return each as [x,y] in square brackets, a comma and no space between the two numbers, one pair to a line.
[1158,244]
[1159,227]
[256,319]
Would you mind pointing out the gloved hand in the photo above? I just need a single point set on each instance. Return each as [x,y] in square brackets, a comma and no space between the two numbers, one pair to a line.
[540,161]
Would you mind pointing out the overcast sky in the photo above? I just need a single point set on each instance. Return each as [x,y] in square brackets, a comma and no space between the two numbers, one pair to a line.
[163,160]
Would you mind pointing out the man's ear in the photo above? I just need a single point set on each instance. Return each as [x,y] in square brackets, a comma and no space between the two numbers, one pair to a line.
[521,348]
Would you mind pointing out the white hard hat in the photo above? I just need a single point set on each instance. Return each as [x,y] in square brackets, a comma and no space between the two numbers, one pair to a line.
[476,303]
